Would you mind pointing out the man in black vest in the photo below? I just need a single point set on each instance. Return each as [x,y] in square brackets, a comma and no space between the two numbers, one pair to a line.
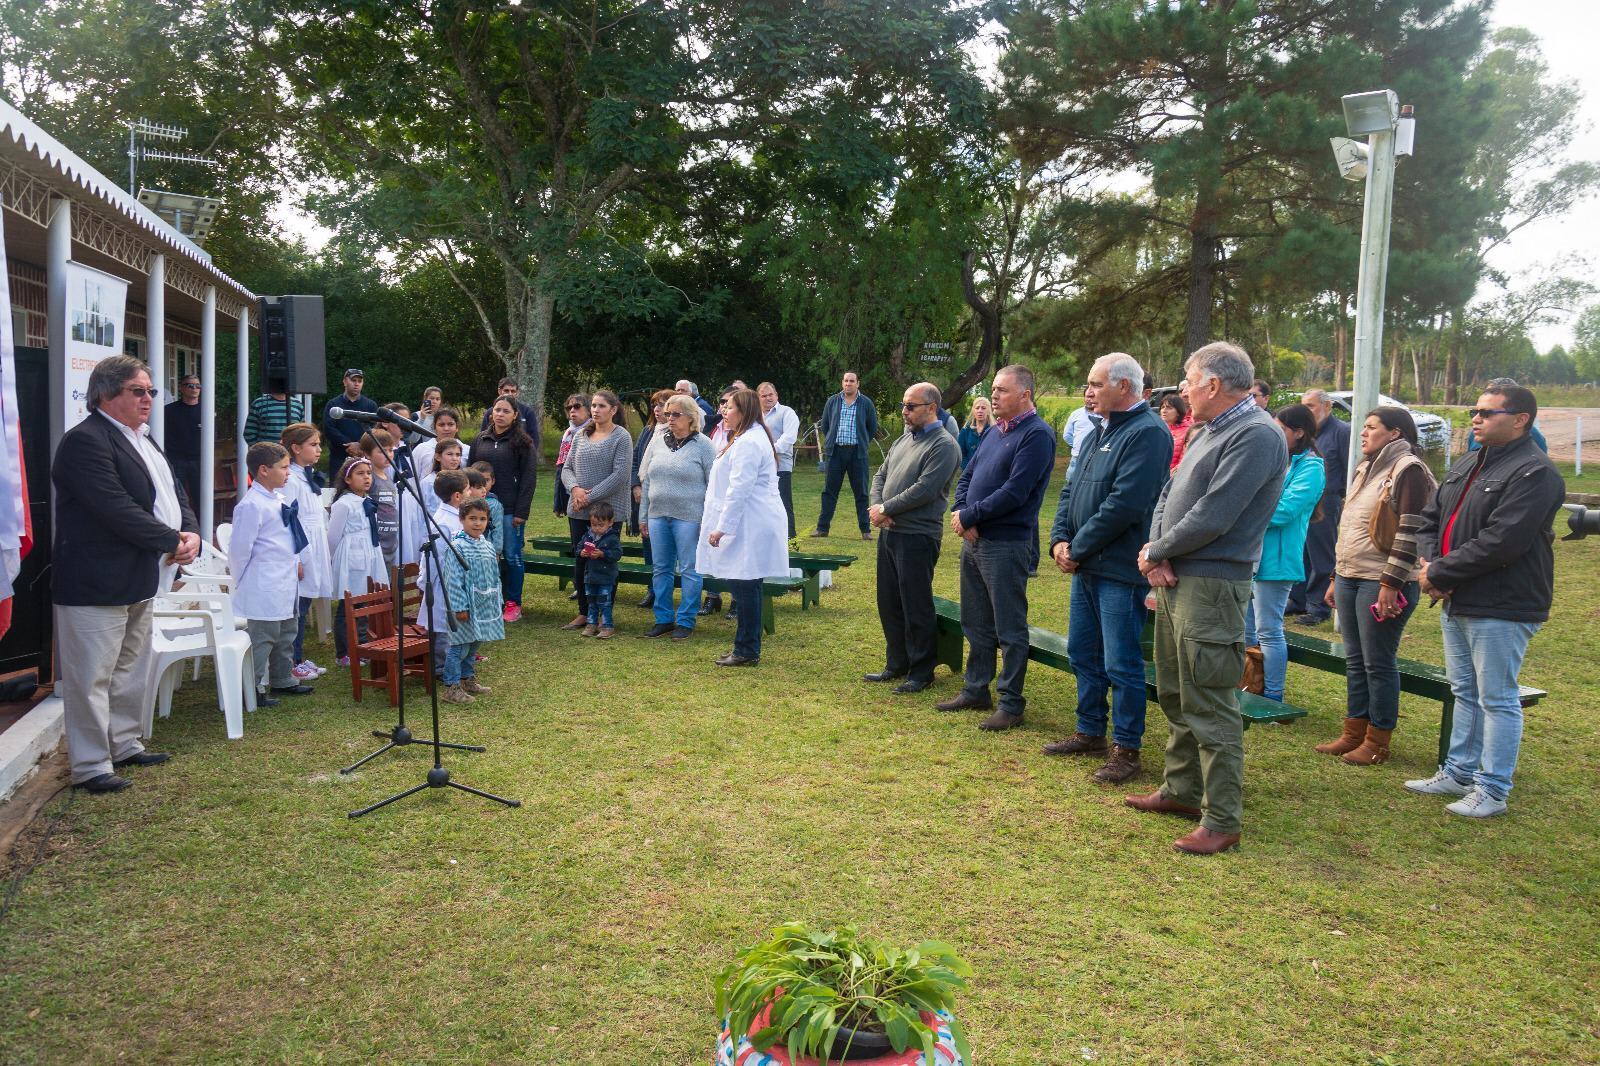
[123,523]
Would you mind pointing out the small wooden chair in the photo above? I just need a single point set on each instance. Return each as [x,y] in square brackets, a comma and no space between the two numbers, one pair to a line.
[382,647]
[410,603]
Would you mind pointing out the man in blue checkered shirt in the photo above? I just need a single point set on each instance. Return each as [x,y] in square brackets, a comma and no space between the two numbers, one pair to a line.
[849,426]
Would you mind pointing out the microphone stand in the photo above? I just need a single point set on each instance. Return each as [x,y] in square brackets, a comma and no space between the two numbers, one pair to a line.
[428,568]
[400,736]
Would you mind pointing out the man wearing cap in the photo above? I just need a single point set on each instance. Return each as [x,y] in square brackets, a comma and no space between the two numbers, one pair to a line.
[342,436]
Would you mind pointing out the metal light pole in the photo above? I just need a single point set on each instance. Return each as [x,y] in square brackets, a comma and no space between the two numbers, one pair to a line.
[1377,115]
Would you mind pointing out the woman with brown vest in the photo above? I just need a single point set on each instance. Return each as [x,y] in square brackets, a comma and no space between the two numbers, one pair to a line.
[1375,579]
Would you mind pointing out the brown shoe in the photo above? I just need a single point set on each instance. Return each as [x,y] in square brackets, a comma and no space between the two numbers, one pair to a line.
[1120,766]
[1156,803]
[589,630]
[963,702]
[1355,730]
[471,686]
[578,622]
[1205,841]
[1374,748]
[1001,720]
[455,694]
[606,633]
[1077,744]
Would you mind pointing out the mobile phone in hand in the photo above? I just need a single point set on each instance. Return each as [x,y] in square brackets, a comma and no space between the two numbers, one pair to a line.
[1400,601]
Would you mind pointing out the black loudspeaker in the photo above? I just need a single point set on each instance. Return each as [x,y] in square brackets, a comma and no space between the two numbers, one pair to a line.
[293,353]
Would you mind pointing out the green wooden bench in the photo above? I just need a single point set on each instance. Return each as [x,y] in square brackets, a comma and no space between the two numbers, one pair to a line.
[560,567]
[1417,678]
[1049,648]
[811,564]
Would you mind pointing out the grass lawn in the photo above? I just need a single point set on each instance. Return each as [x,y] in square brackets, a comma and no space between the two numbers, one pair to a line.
[225,910]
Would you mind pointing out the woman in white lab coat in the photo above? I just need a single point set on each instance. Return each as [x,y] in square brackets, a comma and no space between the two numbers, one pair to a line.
[744,531]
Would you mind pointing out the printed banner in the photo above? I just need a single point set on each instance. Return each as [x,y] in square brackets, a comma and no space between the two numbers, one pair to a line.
[95,305]
[13,507]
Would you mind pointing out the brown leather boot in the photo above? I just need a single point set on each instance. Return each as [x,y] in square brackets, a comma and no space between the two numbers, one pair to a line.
[1121,765]
[1355,730]
[1374,748]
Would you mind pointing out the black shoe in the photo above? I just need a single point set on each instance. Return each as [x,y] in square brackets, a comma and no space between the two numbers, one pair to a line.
[712,605]
[104,783]
[963,702]
[731,659]
[266,701]
[818,533]
[1309,619]
[660,629]
[143,758]
[908,687]
[646,603]
[882,675]
[292,690]
[682,633]
[1001,720]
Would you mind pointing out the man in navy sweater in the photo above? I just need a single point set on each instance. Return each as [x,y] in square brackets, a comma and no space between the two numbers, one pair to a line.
[1101,523]
[996,514]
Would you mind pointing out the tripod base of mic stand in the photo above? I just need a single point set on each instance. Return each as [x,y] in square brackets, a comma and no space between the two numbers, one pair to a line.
[399,737]
[438,777]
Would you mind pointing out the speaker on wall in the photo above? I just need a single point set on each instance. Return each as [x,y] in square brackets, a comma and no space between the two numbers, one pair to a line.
[293,353]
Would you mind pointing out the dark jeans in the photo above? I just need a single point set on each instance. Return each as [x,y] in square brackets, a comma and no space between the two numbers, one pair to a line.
[747,632]
[1320,538]
[188,471]
[905,602]
[561,495]
[845,459]
[577,527]
[1103,630]
[994,615]
[300,632]
[512,567]
[341,644]
[1370,649]
[786,494]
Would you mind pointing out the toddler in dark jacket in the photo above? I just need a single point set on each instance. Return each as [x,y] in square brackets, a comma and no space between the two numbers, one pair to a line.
[601,547]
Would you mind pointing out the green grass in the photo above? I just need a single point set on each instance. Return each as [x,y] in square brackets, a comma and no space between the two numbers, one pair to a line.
[225,910]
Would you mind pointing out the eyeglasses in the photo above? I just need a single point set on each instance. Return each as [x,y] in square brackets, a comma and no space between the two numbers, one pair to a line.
[574,406]
[914,406]
[152,393]
[190,385]
[677,414]
[1489,412]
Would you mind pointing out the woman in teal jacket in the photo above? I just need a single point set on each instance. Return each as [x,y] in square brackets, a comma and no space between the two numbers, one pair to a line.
[1283,548]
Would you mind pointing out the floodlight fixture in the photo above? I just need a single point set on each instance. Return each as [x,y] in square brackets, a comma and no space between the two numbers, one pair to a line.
[1405,131]
[190,215]
[1351,156]
[1371,112]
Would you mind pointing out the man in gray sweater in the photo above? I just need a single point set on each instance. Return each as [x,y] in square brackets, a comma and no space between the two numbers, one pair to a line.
[1205,542]
[909,496]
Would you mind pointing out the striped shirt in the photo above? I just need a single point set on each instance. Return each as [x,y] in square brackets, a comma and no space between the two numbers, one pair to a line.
[269,417]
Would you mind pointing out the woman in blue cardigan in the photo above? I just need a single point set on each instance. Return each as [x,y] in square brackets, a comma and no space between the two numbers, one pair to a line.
[1283,548]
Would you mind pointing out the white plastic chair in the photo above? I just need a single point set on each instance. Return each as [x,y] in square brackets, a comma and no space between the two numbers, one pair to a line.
[187,625]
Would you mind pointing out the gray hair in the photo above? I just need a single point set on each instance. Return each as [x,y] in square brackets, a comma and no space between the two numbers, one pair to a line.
[1317,396]
[686,406]
[927,392]
[1120,366]
[1226,362]
[694,390]
[110,375]
[1020,374]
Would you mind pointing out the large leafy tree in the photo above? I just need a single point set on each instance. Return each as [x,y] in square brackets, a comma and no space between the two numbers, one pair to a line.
[544,137]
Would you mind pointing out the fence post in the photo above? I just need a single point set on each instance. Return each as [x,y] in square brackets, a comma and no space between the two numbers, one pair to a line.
[1577,458]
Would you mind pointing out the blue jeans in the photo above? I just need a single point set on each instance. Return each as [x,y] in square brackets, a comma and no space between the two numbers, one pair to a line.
[600,602]
[1482,657]
[511,567]
[747,631]
[460,662]
[994,614]
[673,542]
[1372,675]
[845,459]
[300,632]
[1263,627]
[1103,629]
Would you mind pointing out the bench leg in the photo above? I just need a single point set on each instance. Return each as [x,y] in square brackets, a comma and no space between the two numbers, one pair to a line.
[1447,721]
[811,591]
[947,642]
[769,618]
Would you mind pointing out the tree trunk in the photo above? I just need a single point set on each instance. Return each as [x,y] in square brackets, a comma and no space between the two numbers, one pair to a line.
[532,315]
[1394,369]
[989,348]
[1203,246]
[1452,362]
[1341,347]
[897,362]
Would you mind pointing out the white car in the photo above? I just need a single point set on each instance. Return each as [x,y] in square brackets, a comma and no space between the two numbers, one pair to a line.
[1432,430]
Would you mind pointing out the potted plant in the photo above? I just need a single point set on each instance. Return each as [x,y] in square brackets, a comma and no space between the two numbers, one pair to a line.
[831,995]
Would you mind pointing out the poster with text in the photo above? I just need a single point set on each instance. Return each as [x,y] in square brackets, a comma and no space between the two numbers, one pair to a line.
[95,305]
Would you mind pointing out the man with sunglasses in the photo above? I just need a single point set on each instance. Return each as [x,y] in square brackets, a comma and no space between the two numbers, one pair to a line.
[1489,557]
[909,496]
[180,429]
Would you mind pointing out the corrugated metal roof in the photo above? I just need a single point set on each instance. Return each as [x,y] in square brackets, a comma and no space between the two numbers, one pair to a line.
[17,130]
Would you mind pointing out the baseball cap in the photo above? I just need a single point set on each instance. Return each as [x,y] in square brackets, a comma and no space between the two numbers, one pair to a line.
[354,372]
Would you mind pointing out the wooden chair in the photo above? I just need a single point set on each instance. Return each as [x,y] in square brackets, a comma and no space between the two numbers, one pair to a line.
[382,647]
[410,603]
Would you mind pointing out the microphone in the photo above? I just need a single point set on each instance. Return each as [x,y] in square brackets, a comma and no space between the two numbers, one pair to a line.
[381,415]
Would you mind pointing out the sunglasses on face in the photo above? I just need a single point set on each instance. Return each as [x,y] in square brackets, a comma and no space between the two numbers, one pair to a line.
[914,406]
[1488,412]
[152,393]
[191,385]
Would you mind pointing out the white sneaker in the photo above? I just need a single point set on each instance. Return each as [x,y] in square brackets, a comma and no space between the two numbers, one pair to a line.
[304,672]
[1477,804]
[319,669]
[1440,784]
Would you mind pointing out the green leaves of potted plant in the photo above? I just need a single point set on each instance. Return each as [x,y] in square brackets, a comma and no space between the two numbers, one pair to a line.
[833,994]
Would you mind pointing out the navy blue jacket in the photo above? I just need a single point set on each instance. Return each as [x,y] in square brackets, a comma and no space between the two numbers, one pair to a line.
[1106,506]
[1002,487]
[337,432]
[602,571]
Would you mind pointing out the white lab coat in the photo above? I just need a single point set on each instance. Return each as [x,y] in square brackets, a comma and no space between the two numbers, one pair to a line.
[317,581]
[742,502]
[261,556]
[449,519]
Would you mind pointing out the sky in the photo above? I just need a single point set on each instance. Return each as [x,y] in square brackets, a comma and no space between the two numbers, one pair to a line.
[1568,31]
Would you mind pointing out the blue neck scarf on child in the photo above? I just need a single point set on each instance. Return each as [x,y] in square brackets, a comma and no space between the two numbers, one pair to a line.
[370,506]
[314,478]
[297,533]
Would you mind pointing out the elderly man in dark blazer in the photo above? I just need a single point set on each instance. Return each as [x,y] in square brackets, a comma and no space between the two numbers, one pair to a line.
[123,522]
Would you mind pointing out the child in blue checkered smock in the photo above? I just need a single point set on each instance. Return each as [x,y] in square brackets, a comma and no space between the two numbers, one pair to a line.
[474,592]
